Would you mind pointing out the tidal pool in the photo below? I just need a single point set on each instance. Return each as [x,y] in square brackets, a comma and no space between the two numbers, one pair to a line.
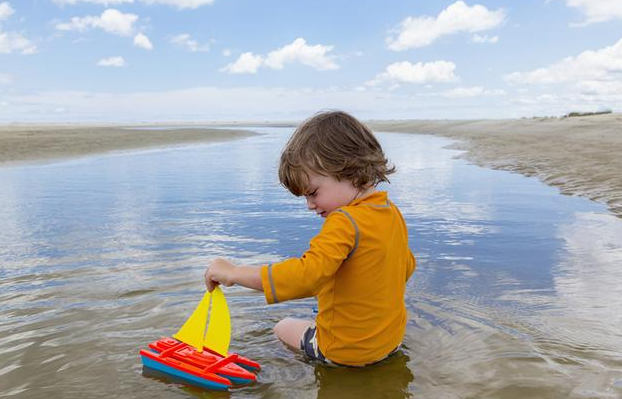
[517,293]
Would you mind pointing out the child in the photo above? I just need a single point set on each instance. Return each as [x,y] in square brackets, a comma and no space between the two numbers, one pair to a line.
[357,265]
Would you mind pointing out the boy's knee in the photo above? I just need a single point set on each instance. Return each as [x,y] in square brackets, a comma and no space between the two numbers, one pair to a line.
[290,331]
[281,327]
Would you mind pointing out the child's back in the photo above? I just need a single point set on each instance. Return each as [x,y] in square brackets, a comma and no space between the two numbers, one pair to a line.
[367,318]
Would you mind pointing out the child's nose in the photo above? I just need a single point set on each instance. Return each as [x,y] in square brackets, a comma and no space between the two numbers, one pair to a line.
[310,204]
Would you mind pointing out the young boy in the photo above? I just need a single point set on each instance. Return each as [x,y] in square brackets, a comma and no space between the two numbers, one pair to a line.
[357,265]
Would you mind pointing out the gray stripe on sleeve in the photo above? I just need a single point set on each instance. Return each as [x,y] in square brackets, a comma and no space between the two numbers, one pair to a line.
[356,232]
[276,300]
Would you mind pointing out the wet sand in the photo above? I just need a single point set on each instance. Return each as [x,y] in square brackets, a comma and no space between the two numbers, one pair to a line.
[579,155]
[40,143]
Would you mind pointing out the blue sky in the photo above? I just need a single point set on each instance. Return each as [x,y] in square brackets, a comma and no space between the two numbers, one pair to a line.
[182,60]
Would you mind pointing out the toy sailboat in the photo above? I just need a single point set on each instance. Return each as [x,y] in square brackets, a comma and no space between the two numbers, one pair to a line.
[198,353]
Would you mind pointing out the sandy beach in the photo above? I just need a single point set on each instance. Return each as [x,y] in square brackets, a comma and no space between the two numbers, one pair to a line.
[40,143]
[579,155]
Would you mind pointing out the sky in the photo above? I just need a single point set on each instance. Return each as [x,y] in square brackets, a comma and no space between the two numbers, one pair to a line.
[241,60]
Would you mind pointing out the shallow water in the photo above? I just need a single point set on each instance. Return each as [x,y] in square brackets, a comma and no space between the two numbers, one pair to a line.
[517,292]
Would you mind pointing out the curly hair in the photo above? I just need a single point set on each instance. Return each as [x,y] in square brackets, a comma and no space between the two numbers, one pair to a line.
[333,144]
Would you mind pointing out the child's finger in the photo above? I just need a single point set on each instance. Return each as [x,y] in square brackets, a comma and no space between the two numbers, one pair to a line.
[206,277]
[212,285]
[209,283]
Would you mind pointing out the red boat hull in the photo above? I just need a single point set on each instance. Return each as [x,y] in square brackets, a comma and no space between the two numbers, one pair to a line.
[205,369]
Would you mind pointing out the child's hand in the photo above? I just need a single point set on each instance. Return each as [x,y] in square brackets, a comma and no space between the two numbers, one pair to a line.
[220,271]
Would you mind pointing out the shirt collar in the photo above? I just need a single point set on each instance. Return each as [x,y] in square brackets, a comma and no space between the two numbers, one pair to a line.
[376,198]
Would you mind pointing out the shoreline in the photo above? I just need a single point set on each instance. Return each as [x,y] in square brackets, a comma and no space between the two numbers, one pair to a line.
[578,155]
[27,144]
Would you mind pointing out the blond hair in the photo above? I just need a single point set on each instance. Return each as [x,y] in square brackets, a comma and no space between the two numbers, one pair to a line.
[333,144]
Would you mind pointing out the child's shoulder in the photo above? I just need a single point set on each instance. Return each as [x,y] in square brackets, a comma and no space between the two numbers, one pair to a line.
[376,200]
[368,209]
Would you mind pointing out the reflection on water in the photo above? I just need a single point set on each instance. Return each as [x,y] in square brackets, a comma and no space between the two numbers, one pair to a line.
[516,294]
[390,379]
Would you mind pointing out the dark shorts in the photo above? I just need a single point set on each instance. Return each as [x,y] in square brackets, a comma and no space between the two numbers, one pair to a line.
[311,349]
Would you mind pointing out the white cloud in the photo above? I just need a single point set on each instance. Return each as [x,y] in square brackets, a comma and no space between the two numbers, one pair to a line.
[597,10]
[111,21]
[246,63]
[484,39]
[600,88]
[5,79]
[422,31]
[102,2]
[181,4]
[226,52]
[277,103]
[603,65]
[5,11]
[313,56]
[233,103]
[112,62]
[192,45]
[10,42]
[591,80]
[419,73]
[143,41]
[474,91]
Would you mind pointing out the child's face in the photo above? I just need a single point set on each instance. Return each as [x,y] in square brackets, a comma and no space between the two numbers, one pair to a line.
[325,193]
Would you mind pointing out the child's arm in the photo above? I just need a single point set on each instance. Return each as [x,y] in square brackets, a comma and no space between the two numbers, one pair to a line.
[221,271]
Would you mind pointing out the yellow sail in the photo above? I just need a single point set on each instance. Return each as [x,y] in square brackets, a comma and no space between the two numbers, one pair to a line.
[216,335]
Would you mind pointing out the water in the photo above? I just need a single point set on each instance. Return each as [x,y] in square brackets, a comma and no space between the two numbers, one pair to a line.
[517,292]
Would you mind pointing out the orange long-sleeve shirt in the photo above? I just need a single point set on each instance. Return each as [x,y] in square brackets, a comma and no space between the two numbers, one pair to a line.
[357,266]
